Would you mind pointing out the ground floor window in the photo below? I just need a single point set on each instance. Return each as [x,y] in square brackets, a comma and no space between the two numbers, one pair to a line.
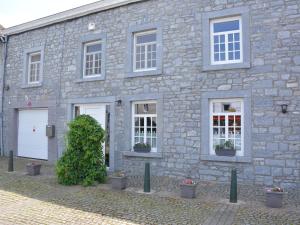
[144,124]
[227,125]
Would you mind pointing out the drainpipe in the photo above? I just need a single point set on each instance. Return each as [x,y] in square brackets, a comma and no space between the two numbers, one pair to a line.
[4,41]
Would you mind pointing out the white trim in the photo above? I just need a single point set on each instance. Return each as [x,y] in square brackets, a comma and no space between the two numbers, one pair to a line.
[94,53]
[67,15]
[37,63]
[225,33]
[226,114]
[133,115]
[135,35]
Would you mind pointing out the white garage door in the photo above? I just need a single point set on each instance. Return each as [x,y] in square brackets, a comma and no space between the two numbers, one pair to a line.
[32,139]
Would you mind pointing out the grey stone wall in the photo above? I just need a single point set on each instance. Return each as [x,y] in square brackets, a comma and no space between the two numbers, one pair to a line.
[273,79]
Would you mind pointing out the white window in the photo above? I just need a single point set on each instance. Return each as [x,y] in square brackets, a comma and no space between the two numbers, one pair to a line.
[144,124]
[226,40]
[227,124]
[92,59]
[145,46]
[34,67]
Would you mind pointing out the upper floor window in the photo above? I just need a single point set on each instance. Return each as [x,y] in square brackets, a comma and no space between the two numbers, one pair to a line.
[226,40]
[92,59]
[226,125]
[144,124]
[34,67]
[145,51]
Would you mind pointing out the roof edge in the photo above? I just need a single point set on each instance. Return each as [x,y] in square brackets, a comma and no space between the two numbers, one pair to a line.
[67,15]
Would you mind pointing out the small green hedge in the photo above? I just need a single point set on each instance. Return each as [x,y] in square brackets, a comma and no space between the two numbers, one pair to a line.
[83,161]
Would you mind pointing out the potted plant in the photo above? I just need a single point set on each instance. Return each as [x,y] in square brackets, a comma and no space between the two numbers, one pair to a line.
[226,149]
[118,180]
[188,188]
[274,197]
[33,168]
[142,147]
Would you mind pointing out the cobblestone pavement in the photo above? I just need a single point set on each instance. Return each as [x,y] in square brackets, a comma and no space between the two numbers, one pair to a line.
[40,200]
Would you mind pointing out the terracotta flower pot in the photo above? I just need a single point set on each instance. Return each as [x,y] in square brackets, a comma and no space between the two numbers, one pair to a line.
[33,169]
[188,190]
[118,183]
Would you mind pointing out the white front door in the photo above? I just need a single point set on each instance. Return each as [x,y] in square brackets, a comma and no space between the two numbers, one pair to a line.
[32,139]
[98,112]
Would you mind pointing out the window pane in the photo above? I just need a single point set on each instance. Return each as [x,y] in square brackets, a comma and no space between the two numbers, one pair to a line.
[216,48]
[145,108]
[222,48]
[237,37]
[230,37]
[230,47]
[237,46]
[230,120]
[237,55]
[216,57]
[222,38]
[146,38]
[93,48]
[226,26]
[216,39]
[222,56]
[230,55]
[222,120]
[35,57]
[238,121]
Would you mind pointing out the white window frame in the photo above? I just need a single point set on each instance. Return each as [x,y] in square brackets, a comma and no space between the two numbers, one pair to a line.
[226,61]
[135,35]
[30,55]
[226,114]
[145,123]
[94,53]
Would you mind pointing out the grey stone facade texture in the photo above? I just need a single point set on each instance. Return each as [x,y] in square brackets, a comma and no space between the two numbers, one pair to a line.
[273,79]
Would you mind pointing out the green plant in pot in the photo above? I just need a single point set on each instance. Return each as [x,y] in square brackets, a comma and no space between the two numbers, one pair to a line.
[226,149]
[142,147]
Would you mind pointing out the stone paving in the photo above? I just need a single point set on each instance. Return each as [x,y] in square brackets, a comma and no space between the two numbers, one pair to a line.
[41,200]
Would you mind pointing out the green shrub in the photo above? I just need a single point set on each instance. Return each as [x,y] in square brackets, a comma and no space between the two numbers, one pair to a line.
[83,161]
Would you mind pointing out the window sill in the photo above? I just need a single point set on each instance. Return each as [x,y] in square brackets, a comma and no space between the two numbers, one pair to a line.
[144,73]
[31,85]
[229,66]
[242,159]
[81,80]
[143,155]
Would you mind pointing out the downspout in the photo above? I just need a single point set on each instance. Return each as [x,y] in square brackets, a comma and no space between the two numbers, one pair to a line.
[4,41]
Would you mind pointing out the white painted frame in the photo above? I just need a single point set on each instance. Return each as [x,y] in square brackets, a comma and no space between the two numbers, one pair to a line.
[226,114]
[146,50]
[93,53]
[37,64]
[145,124]
[212,22]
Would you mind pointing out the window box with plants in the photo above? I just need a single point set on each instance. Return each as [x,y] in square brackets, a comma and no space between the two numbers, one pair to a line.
[142,148]
[274,197]
[118,180]
[188,188]
[226,149]
[33,168]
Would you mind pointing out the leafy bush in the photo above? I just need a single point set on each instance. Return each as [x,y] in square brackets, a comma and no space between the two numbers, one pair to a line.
[83,160]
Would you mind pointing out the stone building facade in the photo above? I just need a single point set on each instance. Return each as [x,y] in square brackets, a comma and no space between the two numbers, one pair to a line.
[182,86]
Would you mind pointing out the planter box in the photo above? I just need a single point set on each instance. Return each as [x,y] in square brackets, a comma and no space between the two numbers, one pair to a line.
[142,149]
[118,183]
[188,190]
[33,169]
[274,199]
[225,152]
